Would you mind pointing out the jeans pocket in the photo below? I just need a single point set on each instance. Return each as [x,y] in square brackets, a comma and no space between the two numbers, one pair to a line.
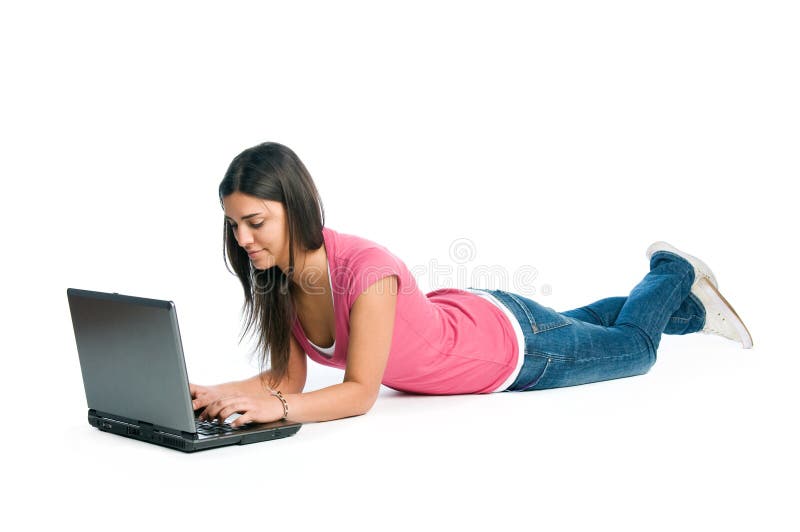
[535,367]
[540,318]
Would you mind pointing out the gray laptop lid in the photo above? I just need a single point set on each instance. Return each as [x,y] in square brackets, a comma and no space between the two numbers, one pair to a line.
[131,358]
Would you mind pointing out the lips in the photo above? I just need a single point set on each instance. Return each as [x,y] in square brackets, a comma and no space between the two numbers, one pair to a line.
[253,253]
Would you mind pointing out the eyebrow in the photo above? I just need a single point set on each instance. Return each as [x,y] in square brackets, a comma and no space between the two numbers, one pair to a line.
[245,217]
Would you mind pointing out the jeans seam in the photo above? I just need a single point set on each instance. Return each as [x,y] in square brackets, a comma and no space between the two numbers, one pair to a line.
[610,357]
[545,354]
[592,360]
[525,310]
[536,329]
[539,378]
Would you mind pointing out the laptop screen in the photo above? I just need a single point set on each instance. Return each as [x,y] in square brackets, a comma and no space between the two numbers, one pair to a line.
[131,358]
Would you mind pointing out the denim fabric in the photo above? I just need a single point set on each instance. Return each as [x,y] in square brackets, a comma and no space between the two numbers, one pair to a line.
[612,338]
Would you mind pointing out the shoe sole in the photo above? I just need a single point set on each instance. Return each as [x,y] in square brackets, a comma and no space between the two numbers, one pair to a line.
[711,292]
[702,266]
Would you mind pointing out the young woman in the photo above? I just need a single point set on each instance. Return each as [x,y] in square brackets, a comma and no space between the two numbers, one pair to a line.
[349,303]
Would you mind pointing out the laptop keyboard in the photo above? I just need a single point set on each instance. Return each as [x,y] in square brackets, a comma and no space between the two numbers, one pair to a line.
[209,428]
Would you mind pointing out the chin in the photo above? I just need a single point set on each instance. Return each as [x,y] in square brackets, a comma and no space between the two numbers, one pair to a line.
[264,263]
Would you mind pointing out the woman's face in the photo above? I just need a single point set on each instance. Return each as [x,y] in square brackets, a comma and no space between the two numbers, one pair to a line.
[260,228]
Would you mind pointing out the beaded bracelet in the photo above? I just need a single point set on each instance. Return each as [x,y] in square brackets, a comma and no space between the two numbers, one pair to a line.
[279,395]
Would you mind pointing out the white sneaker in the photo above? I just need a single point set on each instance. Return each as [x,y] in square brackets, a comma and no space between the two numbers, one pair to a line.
[721,319]
[701,269]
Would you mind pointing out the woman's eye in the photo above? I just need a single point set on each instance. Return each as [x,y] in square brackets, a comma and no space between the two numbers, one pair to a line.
[254,226]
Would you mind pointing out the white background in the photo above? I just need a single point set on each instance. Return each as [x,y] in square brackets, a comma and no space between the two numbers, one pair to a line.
[561,136]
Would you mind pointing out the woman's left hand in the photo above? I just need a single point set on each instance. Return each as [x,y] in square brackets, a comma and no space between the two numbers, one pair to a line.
[262,408]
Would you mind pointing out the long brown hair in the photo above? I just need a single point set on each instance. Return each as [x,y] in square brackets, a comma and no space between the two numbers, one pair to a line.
[272,171]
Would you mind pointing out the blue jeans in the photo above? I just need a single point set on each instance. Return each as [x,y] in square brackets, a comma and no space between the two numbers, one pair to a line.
[610,339]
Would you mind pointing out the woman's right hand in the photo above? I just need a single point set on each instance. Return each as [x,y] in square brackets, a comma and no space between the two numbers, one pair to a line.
[202,396]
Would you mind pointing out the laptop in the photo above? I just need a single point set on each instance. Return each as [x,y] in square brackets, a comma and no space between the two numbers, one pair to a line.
[134,374]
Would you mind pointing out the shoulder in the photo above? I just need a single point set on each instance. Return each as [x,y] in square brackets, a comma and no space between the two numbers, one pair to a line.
[360,263]
[349,247]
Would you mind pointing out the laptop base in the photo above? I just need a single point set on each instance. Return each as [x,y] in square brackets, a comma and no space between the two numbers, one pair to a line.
[187,441]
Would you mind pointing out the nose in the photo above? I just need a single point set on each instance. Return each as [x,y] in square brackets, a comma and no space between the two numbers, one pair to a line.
[243,236]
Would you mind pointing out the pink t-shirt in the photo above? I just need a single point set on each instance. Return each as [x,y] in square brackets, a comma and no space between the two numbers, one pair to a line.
[448,341]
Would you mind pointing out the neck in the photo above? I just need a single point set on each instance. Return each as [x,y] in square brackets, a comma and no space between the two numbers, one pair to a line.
[311,272]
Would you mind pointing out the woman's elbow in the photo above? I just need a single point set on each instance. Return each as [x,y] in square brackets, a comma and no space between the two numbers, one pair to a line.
[368,403]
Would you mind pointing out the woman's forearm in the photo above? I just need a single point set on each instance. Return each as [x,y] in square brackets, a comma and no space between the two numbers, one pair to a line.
[255,385]
[333,402]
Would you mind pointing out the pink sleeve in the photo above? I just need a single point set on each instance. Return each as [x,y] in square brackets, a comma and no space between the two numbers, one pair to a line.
[368,267]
